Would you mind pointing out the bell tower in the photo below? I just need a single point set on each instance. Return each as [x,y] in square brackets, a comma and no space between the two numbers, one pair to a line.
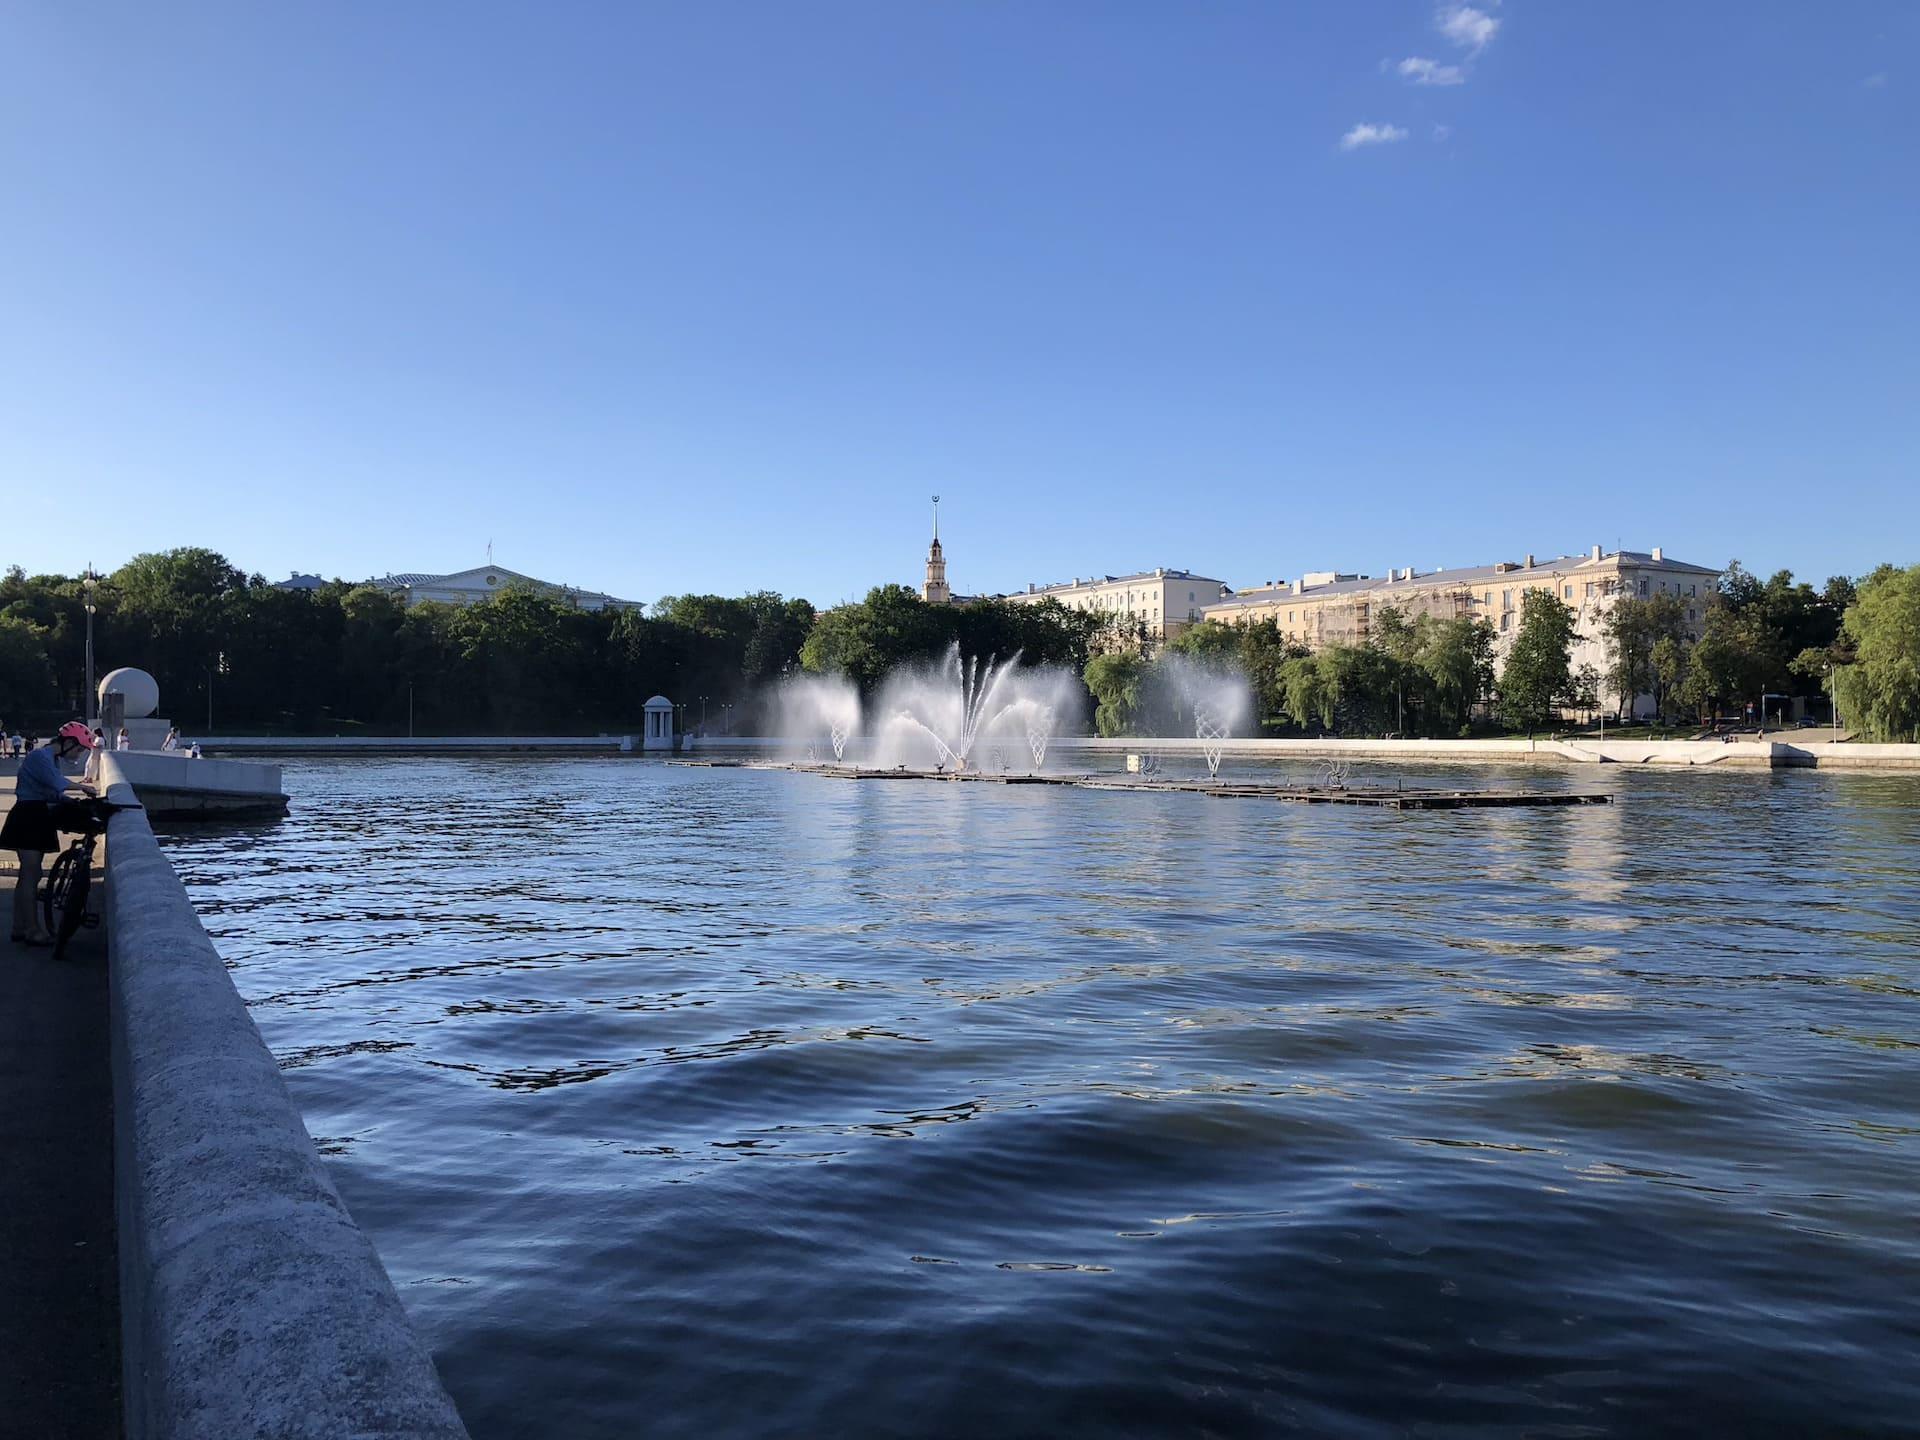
[935,591]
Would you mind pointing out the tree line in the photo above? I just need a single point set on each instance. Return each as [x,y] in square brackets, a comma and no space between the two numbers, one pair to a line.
[230,649]
[233,653]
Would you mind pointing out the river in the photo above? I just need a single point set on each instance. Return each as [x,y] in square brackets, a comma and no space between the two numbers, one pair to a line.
[713,1102]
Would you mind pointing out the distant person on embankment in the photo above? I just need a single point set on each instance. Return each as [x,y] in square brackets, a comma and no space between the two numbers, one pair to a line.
[29,831]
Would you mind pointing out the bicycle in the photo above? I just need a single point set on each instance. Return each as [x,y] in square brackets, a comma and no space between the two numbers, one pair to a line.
[63,903]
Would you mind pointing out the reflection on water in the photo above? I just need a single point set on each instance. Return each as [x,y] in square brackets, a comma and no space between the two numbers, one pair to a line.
[713,1102]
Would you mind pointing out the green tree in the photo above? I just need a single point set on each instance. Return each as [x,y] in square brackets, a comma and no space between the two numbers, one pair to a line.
[867,638]
[1879,693]
[1538,676]
[1779,619]
[1115,680]
[1672,660]
[1633,630]
[1456,657]
[1726,663]
[1304,695]
[26,675]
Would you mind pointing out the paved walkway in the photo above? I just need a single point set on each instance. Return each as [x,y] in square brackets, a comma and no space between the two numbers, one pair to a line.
[59,1285]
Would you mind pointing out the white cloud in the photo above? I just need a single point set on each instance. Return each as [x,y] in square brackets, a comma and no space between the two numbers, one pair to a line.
[1367,133]
[1422,71]
[1441,132]
[1466,27]
[1875,81]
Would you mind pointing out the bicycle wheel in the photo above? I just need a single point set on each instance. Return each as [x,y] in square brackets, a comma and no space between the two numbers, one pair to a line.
[64,905]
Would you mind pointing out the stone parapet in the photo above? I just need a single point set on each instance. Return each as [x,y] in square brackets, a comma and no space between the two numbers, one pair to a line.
[251,1303]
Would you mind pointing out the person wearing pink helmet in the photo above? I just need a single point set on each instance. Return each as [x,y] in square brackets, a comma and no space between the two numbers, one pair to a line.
[29,830]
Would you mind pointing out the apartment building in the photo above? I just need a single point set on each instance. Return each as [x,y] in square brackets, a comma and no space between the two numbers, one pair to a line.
[1328,608]
[1165,601]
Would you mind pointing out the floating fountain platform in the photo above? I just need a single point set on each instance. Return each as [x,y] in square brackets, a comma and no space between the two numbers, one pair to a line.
[1379,798]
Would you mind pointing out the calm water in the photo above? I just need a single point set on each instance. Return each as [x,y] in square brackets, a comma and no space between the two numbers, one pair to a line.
[718,1102]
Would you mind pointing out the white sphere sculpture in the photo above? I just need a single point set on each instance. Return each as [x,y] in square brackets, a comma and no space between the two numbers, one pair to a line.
[141,690]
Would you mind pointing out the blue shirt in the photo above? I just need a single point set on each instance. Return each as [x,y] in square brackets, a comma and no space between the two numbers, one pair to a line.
[40,777]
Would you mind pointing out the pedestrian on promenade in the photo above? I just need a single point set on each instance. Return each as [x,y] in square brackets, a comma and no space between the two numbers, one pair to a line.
[123,741]
[29,830]
[172,742]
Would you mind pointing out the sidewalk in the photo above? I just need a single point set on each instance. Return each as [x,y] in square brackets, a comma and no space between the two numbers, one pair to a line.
[59,1283]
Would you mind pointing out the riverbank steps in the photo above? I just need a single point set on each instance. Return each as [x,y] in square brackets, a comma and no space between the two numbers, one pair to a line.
[250,1301]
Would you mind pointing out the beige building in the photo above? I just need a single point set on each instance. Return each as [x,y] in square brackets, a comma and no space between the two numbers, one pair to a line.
[1335,609]
[1165,601]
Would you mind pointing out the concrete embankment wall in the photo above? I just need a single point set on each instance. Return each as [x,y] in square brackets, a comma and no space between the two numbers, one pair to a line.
[424,745]
[173,785]
[1685,754]
[1738,754]
[251,1304]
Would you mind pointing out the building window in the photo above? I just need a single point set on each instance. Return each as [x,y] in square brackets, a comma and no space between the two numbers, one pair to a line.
[1689,592]
[1643,589]
[1569,594]
[1590,589]
[1506,620]
[1506,599]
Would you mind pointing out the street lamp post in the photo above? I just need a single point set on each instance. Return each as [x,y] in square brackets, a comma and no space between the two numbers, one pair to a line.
[703,714]
[88,585]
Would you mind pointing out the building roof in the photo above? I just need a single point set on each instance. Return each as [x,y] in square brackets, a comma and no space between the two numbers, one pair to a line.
[419,579]
[1411,579]
[1139,575]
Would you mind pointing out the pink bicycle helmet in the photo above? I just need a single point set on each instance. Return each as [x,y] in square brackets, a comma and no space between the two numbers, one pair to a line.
[76,731]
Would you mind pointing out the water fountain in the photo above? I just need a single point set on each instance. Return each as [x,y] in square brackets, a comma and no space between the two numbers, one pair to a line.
[1218,700]
[821,710]
[1212,734]
[936,716]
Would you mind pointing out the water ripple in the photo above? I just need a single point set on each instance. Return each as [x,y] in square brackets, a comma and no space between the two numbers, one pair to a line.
[708,1102]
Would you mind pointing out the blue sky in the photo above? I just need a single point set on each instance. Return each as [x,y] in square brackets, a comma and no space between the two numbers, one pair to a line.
[712,296]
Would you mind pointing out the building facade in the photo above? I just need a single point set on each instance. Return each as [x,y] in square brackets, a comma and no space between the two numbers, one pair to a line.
[1324,609]
[1164,602]
[470,587]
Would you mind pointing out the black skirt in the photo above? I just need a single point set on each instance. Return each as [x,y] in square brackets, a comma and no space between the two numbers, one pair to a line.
[29,826]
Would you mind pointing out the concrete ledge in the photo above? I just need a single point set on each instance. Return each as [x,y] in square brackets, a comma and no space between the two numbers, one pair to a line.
[251,1304]
[424,745]
[173,785]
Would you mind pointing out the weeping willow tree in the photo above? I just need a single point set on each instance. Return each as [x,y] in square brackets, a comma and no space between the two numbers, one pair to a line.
[1879,693]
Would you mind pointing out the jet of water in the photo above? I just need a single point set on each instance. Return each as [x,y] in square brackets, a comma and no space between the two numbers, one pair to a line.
[1211,732]
[821,712]
[963,700]
[1217,698]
